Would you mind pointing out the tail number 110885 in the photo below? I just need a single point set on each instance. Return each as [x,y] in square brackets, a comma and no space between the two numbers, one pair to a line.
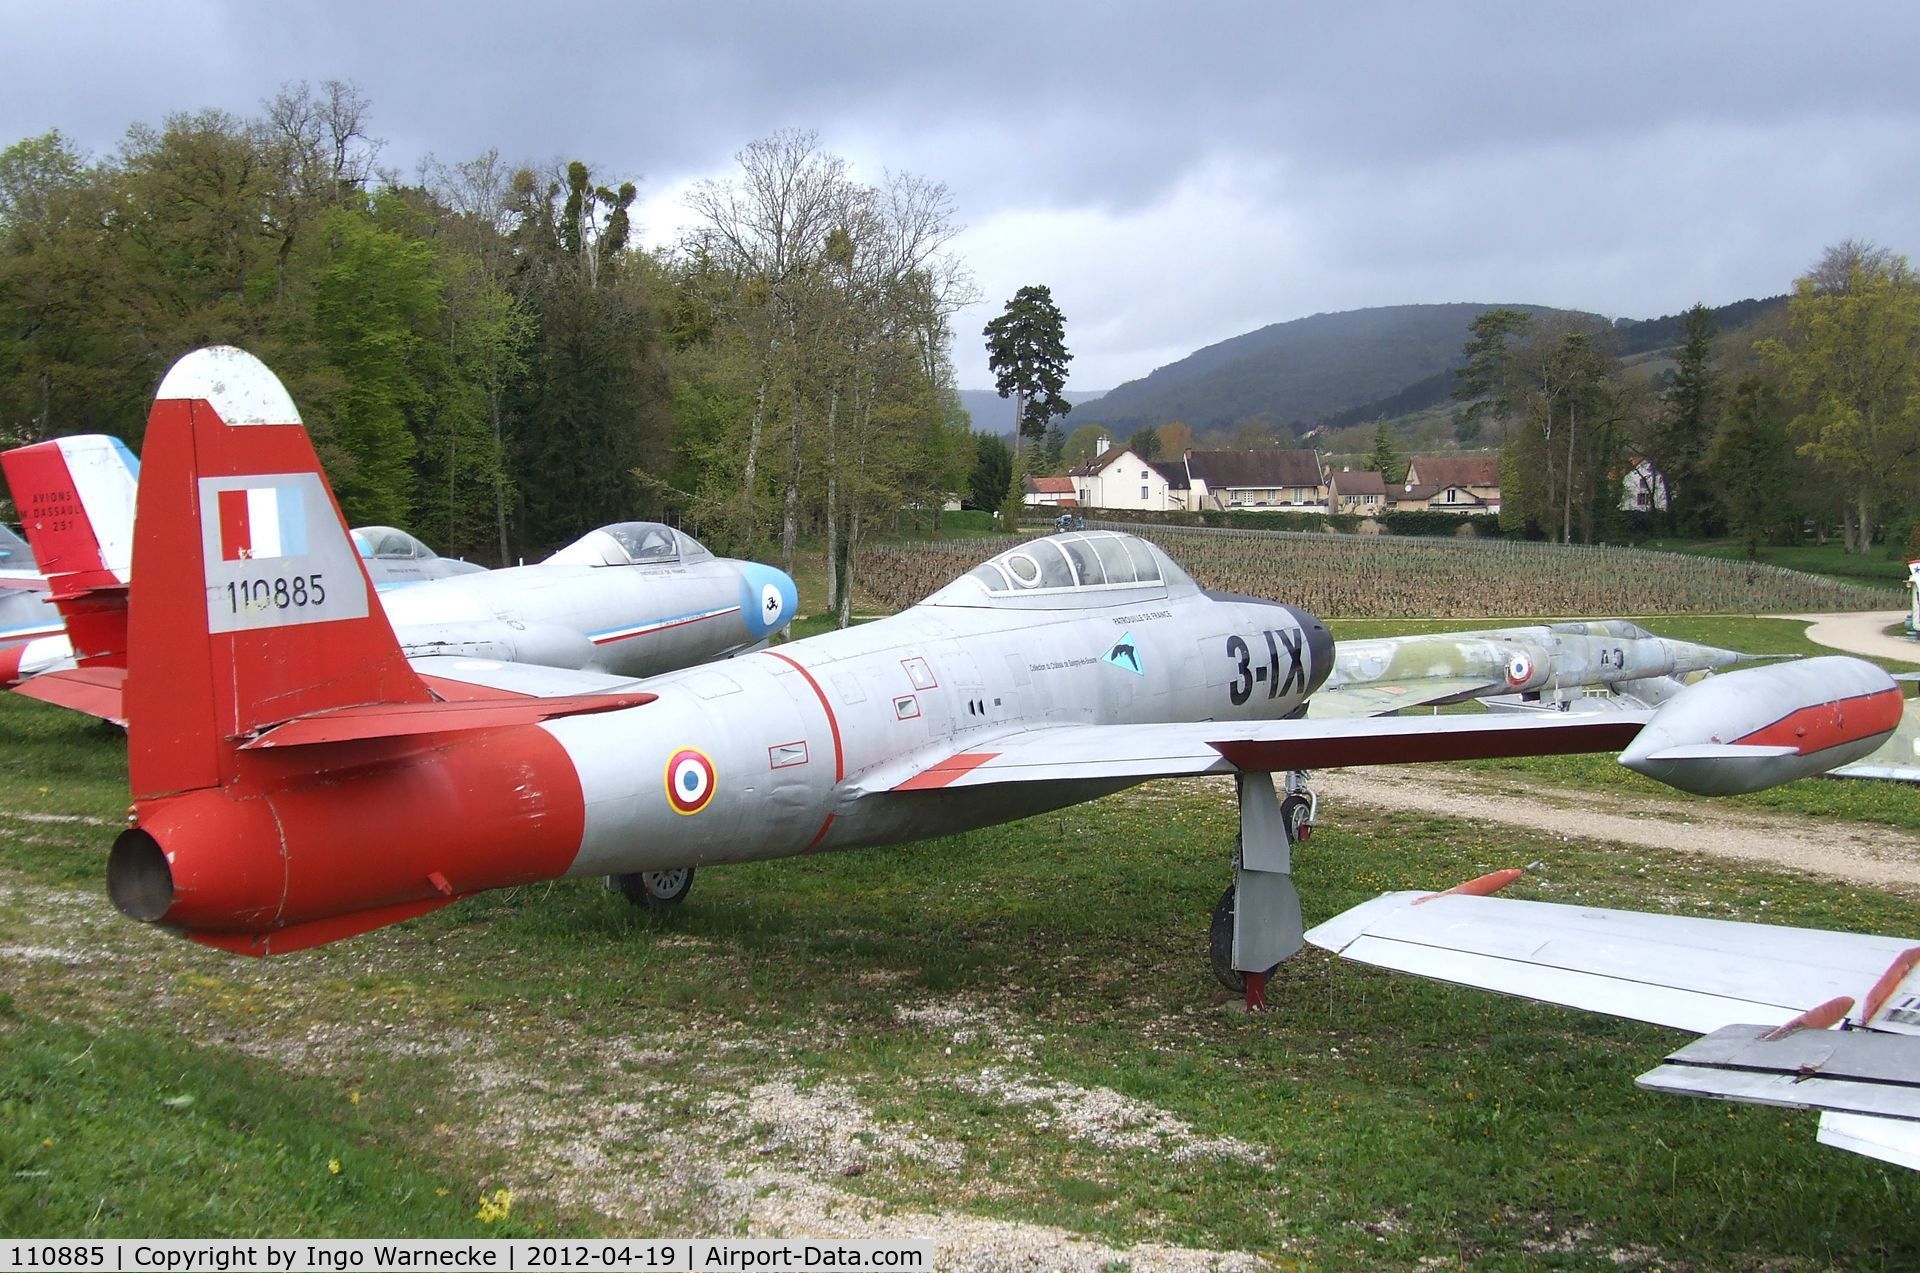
[279,593]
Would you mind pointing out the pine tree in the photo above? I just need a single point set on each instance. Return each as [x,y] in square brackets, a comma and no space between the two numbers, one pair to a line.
[1027,351]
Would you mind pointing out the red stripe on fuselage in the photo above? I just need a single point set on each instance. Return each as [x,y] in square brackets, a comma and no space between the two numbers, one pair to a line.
[833,722]
[1817,728]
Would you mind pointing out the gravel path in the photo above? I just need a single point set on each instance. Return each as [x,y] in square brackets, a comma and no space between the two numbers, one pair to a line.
[1856,852]
[1859,633]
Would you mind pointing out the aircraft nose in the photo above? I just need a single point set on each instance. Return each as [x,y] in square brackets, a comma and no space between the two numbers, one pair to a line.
[768,599]
[1319,647]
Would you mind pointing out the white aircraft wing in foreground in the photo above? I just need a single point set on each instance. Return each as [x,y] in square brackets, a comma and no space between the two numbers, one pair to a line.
[1800,1018]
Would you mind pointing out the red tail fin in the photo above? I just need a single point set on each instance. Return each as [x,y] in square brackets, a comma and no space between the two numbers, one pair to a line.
[252,606]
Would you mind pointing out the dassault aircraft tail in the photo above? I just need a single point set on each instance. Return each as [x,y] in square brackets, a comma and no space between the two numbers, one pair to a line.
[76,498]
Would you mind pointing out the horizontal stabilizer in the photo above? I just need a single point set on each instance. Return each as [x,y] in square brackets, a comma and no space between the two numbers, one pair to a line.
[1851,1071]
[402,720]
[95,691]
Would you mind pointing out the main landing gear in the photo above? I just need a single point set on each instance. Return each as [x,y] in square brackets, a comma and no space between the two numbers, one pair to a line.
[656,890]
[1256,924]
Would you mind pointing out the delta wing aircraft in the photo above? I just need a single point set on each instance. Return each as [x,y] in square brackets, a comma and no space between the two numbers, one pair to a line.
[627,600]
[297,781]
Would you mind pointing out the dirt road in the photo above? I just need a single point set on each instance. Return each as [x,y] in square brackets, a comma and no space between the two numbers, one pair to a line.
[1857,852]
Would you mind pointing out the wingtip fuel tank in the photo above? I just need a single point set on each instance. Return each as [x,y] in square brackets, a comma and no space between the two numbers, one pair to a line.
[1757,728]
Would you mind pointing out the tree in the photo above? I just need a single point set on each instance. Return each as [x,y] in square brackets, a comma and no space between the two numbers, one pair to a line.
[1176,438]
[1749,461]
[376,297]
[1053,447]
[1851,364]
[1027,351]
[992,472]
[1563,453]
[1081,444]
[1145,443]
[1383,458]
[1684,430]
[1487,381]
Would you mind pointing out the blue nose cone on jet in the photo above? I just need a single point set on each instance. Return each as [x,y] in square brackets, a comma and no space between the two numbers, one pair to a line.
[768,599]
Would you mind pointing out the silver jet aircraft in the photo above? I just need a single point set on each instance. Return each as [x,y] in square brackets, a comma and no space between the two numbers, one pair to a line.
[297,781]
[630,599]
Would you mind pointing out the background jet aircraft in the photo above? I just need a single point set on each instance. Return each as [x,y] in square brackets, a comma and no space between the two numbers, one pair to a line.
[631,599]
[395,558]
[627,600]
[296,781]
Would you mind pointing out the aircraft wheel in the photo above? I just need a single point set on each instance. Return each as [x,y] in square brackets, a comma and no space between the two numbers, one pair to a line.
[1220,945]
[1293,816]
[655,889]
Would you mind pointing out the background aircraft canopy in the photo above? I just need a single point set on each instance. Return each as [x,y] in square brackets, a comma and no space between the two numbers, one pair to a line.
[631,544]
[1086,568]
[389,542]
[14,553]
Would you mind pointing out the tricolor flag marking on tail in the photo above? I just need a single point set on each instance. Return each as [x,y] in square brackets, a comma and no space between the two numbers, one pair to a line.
[276,554]
[261,522]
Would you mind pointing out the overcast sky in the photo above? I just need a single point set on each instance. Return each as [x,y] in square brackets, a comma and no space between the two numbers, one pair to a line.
[1177,173]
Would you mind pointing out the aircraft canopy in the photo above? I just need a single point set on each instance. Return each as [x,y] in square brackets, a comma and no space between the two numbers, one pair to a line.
[1084,568]
[14,553]
[631,544]
[390,543]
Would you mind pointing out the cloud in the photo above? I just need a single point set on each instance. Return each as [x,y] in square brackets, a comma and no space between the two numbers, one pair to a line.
[1176,175]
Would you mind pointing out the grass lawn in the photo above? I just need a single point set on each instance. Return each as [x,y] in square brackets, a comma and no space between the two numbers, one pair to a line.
[1014,1025]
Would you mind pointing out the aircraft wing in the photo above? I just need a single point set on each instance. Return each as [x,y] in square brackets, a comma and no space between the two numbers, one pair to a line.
[1738,983]
[453,677]
[1672,970]
[1091,752]
[1341,701]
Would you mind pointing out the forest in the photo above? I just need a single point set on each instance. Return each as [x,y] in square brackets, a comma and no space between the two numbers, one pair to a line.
[480,349]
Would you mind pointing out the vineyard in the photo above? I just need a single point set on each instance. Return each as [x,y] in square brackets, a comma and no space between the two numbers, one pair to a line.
[1381,576]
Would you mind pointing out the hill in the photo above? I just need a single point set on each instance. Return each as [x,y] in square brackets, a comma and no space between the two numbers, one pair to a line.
[1297,373]
[992,413]
[1339,370]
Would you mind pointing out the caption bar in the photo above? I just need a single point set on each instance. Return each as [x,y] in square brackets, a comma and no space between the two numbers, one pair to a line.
[513,1255]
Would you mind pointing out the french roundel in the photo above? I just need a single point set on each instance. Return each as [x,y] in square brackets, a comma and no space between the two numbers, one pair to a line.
[689,780]
[1519,669]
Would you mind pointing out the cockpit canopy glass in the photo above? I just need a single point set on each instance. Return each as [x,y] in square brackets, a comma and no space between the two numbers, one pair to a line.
[1081,568]
[14,553]
[390,543]
[631,544]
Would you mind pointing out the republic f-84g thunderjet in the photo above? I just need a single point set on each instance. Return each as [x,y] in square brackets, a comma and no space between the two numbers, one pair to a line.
[297,781]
